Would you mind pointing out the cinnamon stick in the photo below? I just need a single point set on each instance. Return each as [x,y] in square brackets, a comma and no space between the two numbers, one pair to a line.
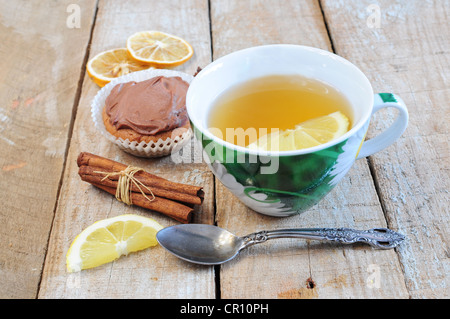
[93,175]
[173,199]
[146,178]
[177,211]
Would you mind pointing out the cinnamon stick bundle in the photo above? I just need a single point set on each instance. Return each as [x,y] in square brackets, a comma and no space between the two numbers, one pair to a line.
[170,198]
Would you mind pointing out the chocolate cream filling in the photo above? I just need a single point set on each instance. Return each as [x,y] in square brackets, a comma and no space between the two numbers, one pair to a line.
[148,107]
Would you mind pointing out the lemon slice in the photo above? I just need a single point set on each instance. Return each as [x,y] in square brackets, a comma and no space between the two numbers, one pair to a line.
[308,134]
[111,64]
[159,49]
[108,239]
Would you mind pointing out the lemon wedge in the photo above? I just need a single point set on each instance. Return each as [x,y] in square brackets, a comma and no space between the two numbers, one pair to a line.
[308,134]
[108,239]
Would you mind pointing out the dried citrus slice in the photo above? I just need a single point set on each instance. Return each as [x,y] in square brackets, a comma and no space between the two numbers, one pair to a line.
[108,239]
[159,49]
[308,134]
[111,64]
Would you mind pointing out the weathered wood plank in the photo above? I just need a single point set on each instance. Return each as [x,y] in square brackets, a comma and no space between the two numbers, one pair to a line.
[152,273]
[295,268]
[408,53]
[39,73]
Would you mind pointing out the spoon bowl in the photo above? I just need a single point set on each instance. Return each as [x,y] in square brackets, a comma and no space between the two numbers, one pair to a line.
[200,243]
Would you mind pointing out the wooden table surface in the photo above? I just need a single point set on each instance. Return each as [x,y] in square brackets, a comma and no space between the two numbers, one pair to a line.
[402,46]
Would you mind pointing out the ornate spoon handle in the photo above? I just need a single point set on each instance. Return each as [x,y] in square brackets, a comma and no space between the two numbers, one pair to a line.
[377,237]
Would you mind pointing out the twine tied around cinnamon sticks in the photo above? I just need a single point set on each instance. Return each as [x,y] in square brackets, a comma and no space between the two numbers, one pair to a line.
[133,185]
[126,177]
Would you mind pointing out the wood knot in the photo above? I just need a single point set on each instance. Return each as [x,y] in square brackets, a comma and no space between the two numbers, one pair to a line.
[310,284]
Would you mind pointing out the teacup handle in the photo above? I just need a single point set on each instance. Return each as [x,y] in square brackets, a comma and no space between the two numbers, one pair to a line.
[386,138]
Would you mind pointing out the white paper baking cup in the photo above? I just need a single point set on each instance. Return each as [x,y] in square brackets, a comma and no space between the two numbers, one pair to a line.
[142,149]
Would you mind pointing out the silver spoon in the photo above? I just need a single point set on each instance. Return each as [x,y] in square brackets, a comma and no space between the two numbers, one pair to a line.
[212,245]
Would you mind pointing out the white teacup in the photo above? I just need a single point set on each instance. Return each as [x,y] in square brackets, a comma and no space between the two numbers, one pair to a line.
[289,182]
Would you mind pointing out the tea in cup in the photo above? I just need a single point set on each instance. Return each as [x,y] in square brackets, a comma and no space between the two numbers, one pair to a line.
[306,111]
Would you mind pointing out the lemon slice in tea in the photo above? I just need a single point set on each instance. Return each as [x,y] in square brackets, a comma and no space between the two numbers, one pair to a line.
[308,134]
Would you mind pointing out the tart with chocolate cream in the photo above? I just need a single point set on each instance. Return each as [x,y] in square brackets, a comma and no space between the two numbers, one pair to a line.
[149,111]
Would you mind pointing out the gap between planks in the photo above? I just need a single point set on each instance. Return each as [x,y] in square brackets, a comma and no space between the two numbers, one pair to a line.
[75,105]
[325,22]
[216,268]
